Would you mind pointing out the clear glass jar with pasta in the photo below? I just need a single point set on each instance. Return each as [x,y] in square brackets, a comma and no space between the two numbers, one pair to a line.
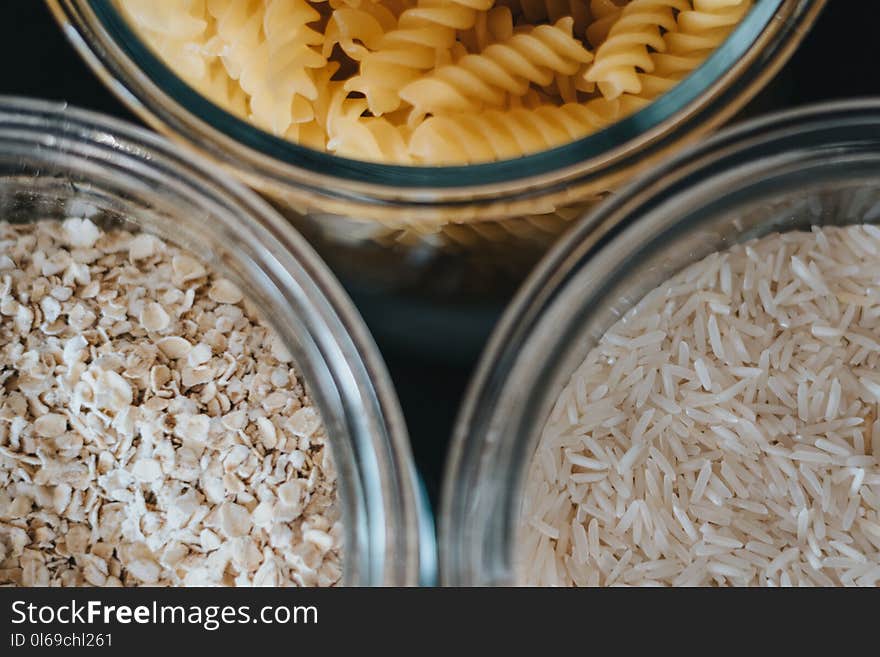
[434,230]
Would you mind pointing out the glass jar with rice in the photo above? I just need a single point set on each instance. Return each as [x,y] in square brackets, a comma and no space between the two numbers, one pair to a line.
[688,395]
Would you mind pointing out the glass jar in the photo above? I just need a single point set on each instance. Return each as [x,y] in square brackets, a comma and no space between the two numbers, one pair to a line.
[57,162]
[438,249]
[816,166]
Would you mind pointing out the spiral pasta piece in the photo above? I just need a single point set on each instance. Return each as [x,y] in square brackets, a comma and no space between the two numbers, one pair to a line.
[501,69]
[500,134]
[350,134]
[654,86]
[310,135]
[490,27]
[358,30]
[174,19]
[405,52]
[216,85]
[605,13]
[370,138]
[268,47]
[625,52]
[177,29]
[698,32]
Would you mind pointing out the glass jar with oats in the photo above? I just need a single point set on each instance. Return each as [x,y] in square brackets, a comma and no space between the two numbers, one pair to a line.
[431,150]
[188,397]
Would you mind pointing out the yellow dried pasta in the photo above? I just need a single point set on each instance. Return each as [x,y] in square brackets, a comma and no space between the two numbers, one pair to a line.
[423,32]
[433,82]
[358,30]
[697,33]
[503,134]
[508,67]
[627,49]
[605,13]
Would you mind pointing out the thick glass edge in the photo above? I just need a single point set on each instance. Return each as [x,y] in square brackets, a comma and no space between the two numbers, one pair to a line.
[622,132]
[348,350]
[479,432]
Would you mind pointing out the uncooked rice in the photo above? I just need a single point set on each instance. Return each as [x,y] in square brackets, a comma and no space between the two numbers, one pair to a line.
[724,431]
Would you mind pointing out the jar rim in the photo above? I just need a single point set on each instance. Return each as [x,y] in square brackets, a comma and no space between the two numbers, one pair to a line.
[139,82]
[343,354]
[489,443]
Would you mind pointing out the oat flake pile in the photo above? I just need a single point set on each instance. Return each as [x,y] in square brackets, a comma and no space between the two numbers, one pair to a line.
[152,429]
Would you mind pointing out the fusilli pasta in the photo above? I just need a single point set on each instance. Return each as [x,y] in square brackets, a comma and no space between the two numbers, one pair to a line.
[176,29]
[490,27]
[268,47]
[423,31]
[628,47]
[358,30]
[605,13]
[502,134]
[502,68]
[427,82]
[697,33]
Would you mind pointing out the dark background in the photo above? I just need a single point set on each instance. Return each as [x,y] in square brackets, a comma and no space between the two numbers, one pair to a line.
[837,60]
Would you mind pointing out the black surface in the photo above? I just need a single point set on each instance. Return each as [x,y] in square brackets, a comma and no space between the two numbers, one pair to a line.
[837,60]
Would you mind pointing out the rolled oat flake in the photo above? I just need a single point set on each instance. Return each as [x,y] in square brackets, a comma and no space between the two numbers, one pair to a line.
[153,430]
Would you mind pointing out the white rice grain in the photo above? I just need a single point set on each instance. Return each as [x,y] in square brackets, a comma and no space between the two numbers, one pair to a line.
[703,374]
[724,430]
